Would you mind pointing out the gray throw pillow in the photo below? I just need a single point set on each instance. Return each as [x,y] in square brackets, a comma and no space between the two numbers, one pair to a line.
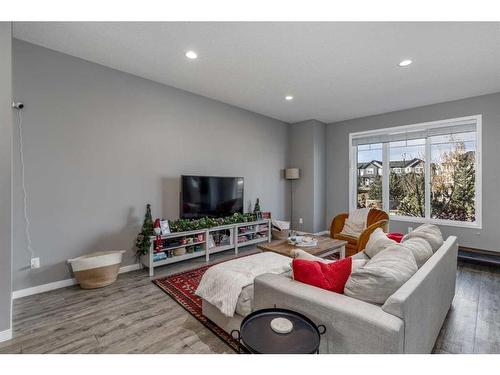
[420,249]
[429,232]
[382,275]
[377,242]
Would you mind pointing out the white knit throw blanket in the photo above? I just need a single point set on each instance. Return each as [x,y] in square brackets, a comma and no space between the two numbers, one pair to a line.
[355,224]
[221,284]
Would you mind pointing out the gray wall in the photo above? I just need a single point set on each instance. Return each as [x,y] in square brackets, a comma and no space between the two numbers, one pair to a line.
[100,144]
[307,151]
[5,174]
[487,105]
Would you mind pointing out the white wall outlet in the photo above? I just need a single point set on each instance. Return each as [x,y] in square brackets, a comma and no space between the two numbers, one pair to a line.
[410,229]
[35,263]
[301,221]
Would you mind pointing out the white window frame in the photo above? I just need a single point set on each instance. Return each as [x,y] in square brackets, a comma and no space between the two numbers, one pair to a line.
[385,171]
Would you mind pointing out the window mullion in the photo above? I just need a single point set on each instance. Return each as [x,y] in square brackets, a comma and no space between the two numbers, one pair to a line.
[385,176]
[427,178]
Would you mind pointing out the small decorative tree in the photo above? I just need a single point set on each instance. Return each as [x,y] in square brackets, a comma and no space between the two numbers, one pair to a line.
[257,206]
[143,241]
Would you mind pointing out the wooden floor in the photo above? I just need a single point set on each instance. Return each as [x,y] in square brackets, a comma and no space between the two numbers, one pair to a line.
[135,316]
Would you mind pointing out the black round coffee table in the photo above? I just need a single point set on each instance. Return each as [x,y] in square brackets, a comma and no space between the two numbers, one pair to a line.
[257,335]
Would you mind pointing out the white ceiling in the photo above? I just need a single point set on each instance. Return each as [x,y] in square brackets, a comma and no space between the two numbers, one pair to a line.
[335,70]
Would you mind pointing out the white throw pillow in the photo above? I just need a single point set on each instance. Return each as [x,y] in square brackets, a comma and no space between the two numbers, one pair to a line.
[377,242]
[382,275]
[428,232]
[420,249]
[301,254]
[358,263]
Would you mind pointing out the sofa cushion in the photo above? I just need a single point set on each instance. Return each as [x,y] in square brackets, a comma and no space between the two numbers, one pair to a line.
[382,275]
[429,232]
[420,249]
[330,276]
[377,242]
[244,306]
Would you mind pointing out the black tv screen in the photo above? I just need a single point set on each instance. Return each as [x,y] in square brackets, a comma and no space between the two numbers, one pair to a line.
[210,196]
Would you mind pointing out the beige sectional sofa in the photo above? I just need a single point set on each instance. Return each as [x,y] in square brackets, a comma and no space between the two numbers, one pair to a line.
[408,322]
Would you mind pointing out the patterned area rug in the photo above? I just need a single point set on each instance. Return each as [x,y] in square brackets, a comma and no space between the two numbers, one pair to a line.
[182,286]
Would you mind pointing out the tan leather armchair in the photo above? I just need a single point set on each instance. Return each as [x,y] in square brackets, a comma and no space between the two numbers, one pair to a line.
[375,219]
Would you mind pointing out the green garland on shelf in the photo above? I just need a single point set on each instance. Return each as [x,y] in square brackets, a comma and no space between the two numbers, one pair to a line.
[185,225]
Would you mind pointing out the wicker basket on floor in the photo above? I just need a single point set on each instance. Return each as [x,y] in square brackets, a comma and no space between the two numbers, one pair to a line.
[97,270]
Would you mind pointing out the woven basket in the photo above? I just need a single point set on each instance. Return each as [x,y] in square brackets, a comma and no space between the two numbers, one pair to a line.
[280,234]
[96,270]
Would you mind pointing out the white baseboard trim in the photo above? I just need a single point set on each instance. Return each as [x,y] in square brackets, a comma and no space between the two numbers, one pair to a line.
[63,283]
[6,335]
[321,233]
[131,267]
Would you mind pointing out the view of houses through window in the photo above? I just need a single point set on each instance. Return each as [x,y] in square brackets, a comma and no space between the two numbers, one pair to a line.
[443,157]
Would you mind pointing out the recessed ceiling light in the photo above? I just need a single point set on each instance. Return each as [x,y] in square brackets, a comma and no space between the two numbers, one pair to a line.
[405,62]
[191,55]
[289,97]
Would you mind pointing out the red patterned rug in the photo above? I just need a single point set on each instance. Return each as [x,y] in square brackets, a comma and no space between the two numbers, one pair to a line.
[182,286]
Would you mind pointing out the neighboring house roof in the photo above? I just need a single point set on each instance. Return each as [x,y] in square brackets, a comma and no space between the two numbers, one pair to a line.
[393,164]
[405,163]
[365,165]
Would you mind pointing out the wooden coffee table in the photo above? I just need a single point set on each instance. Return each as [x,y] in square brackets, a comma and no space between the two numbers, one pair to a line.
[326,246]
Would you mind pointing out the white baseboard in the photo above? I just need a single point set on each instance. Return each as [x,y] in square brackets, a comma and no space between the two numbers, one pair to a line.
[6,335]
[131,267]
[63,283]
[321,233]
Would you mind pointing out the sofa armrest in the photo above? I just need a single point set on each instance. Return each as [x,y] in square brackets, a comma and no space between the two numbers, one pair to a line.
[353,326]
[424,300]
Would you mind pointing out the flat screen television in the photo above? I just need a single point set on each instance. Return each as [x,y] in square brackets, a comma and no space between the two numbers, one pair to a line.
[210,196]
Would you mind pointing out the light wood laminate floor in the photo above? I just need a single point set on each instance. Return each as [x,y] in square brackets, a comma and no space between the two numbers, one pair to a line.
[135,316]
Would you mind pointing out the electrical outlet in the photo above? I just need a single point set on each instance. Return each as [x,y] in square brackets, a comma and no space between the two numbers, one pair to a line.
[35,263]
[410,229]
[301,221]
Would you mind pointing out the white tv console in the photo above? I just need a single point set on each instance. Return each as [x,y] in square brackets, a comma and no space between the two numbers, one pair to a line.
[241,234]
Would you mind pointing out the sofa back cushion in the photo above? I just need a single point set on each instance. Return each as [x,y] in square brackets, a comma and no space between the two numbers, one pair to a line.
[420,249]
[429,232]
[382,275]
[377,242]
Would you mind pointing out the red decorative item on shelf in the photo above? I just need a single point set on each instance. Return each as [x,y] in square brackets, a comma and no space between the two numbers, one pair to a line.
[266,215]
[395,236]
[157,230]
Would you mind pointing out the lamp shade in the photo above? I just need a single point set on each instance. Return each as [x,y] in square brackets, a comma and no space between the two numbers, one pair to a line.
[292,173]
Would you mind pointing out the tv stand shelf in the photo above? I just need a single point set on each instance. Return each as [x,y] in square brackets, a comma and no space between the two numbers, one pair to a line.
[257,227]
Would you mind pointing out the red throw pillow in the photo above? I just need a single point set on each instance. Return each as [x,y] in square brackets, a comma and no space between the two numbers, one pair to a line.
[395,236]
[330,276]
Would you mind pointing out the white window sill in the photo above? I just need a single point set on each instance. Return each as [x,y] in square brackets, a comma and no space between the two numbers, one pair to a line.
[449,223]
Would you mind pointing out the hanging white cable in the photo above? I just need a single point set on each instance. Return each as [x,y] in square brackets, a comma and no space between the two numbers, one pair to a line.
[25,194]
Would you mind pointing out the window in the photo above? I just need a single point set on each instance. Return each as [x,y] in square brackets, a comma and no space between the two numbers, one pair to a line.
[368,185]
[406,188]
[424,173]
